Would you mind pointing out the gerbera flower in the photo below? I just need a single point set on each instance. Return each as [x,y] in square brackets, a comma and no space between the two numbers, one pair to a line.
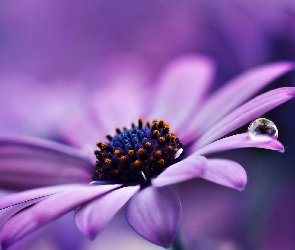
[140,160]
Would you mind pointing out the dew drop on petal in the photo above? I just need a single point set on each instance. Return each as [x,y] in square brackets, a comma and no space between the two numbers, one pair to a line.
[262,128]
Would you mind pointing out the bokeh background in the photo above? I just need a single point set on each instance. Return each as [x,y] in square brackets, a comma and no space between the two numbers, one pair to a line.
[54,54]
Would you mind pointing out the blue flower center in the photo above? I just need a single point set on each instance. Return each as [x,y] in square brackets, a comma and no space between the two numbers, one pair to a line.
[136,155]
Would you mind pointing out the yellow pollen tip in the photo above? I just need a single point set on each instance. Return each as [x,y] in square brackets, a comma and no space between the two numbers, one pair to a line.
[123,158]
[161,162]
[166,128]
[156,132]
[117,152]
[173,138]
[151,159]
[155,125]
[107,161]
[175,150]
[131,152]
[140,151]
[169,148]
[158,153]
[137,163]
[161,139]
[148,144]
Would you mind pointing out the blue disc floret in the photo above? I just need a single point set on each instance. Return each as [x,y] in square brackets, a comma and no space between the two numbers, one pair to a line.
[136,155]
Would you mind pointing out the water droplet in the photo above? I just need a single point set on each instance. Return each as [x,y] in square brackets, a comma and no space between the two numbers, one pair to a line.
[262,128]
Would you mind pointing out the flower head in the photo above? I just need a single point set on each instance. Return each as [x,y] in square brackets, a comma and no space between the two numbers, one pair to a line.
[140,160]
[138,154]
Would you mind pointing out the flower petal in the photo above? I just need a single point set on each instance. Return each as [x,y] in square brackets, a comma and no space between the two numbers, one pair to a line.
[155,213]
[237,91]
[17,198]
[28,163]
[93,216]
[240,141]
[225,172]
[91,133]
[11,204]
[184,170]
[181,88]
[123,98]
[246,113]
[7,212]
[29,220]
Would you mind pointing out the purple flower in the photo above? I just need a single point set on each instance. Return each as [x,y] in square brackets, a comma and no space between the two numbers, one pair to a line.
[142,159]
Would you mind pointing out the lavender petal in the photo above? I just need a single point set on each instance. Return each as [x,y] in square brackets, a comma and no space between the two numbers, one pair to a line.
[94,215]
[28,163]
[184,170]
[239,141]
[238,90]
[246,113]
[155,214]
[17,198]
[225,172]
[29,220]
[184,81]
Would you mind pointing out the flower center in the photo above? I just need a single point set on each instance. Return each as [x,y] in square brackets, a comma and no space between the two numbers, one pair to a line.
[137,154]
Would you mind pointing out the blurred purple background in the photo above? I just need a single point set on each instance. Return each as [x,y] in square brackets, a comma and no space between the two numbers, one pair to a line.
[54,53]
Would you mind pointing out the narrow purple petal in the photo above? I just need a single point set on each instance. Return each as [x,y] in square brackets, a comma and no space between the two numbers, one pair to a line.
[240,141]
[246,113]
[29,220]
[123,104]
[7,212]
[11,204]
[181,87]
[93,216]
[236,92]
[184,170]
[225,172]
[122,100]
[91,133]
[28,163]
[155,214]
[14,199]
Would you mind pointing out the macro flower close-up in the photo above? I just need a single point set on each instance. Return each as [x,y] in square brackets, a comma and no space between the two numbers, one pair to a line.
[148,137]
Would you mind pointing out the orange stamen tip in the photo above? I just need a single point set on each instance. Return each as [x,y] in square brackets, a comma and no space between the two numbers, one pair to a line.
[131,152]
[137,163]
[140,151]
[107,161]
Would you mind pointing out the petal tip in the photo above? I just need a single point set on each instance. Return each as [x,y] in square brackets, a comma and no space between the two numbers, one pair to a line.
[291,91]
[241,186]
[154,213]
[285,65]
[278,146]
